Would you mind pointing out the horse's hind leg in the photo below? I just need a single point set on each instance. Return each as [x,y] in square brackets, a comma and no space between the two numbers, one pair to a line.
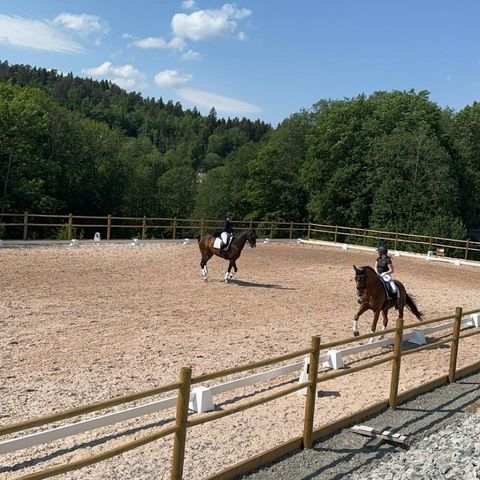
[374,324]
[203,266]
[385,320]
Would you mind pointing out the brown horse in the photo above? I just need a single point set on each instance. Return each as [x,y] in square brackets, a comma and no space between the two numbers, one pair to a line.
[373,296]
[234,250]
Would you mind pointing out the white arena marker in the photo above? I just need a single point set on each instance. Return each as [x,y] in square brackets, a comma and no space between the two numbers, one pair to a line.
[344,246]
[186,241]
[202,400]
[267,240]
[1,243]
[96,237]
[135,242]
[417,337]
[74,243]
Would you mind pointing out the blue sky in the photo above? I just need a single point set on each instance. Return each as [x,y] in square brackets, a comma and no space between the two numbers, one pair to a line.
[260,59]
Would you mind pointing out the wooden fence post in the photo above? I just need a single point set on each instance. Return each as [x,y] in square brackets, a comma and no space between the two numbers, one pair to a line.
[336,234]
[430,244]
[395,247]
[364,236]
[25,225]
[397,358]
[181,418]
[109,226]
[454,351]
[271,230]
[466,249]
[174,228]
[291,231]
[309,230]
[311,393]
[144,228]
[202,228]
[70,226]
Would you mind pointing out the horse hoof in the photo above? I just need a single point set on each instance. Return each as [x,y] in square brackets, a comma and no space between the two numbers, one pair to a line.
[356,334]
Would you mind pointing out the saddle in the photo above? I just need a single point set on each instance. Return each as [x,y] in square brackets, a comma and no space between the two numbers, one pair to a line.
[391,295]
[218,243]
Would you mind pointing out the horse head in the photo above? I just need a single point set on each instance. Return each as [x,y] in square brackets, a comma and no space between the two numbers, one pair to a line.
[252,237]
[360,280]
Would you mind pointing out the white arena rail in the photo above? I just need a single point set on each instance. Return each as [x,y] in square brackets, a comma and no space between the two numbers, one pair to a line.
[201,398]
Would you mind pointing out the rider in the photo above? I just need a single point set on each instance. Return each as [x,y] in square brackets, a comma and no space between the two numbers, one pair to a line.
[226,230]
[385,268]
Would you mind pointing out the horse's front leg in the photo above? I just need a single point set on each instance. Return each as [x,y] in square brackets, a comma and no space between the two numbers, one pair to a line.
[235,269]
[363,308]
[227,274]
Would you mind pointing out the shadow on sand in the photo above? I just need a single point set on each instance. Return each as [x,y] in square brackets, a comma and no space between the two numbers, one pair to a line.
[243,283]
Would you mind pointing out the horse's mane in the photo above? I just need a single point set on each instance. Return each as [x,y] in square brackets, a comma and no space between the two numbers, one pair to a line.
[246,232]
[366,268]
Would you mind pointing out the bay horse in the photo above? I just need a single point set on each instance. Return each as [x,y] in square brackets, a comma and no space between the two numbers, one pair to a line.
[231,254]
[373,296]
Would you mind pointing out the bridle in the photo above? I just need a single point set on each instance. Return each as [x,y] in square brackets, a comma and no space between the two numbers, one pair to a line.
[361,282]
[252,239]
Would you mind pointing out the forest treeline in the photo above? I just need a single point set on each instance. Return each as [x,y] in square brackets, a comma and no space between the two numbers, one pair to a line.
[389,161]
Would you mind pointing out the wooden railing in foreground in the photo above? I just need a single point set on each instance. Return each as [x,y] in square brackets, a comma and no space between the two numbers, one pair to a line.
[27,225]
[182,421]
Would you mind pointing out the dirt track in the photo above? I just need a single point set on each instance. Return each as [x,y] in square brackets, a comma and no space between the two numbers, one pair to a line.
[85,324]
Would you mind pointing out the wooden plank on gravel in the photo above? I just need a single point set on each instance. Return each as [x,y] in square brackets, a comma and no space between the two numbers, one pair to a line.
[382,434]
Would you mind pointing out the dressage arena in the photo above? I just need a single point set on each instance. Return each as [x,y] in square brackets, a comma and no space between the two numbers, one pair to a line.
[85,324]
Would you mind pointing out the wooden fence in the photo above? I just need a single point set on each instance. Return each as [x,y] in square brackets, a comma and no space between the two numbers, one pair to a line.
[183,387]
[65,227]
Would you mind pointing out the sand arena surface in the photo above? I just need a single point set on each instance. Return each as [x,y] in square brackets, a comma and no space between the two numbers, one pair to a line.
[85,324]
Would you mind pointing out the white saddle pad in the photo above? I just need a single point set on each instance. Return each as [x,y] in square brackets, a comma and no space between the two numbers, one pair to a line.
[217,243]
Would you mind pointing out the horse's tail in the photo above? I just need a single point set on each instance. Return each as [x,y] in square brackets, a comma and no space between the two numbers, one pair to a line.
[412,306]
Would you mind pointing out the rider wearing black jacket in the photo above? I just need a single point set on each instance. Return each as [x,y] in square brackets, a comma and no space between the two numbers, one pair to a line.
[227,230]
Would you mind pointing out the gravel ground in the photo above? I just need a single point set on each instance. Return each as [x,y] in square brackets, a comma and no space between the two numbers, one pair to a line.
[443,431]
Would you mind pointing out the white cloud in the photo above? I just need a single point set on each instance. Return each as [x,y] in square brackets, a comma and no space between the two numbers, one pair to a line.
[191,55]
[175,43]
[242,36]
[125,76]
[449,78]
[171,79]
[150,42]
[188,4]
[82,24]
[35,34]
[221,103]
[205,24]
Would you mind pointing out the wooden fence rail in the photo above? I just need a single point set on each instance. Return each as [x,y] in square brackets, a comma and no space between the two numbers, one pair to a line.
[182,421]
[28,225]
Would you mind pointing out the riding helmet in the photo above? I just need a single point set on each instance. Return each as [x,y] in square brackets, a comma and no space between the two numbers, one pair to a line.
[382,250]
[229,215]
